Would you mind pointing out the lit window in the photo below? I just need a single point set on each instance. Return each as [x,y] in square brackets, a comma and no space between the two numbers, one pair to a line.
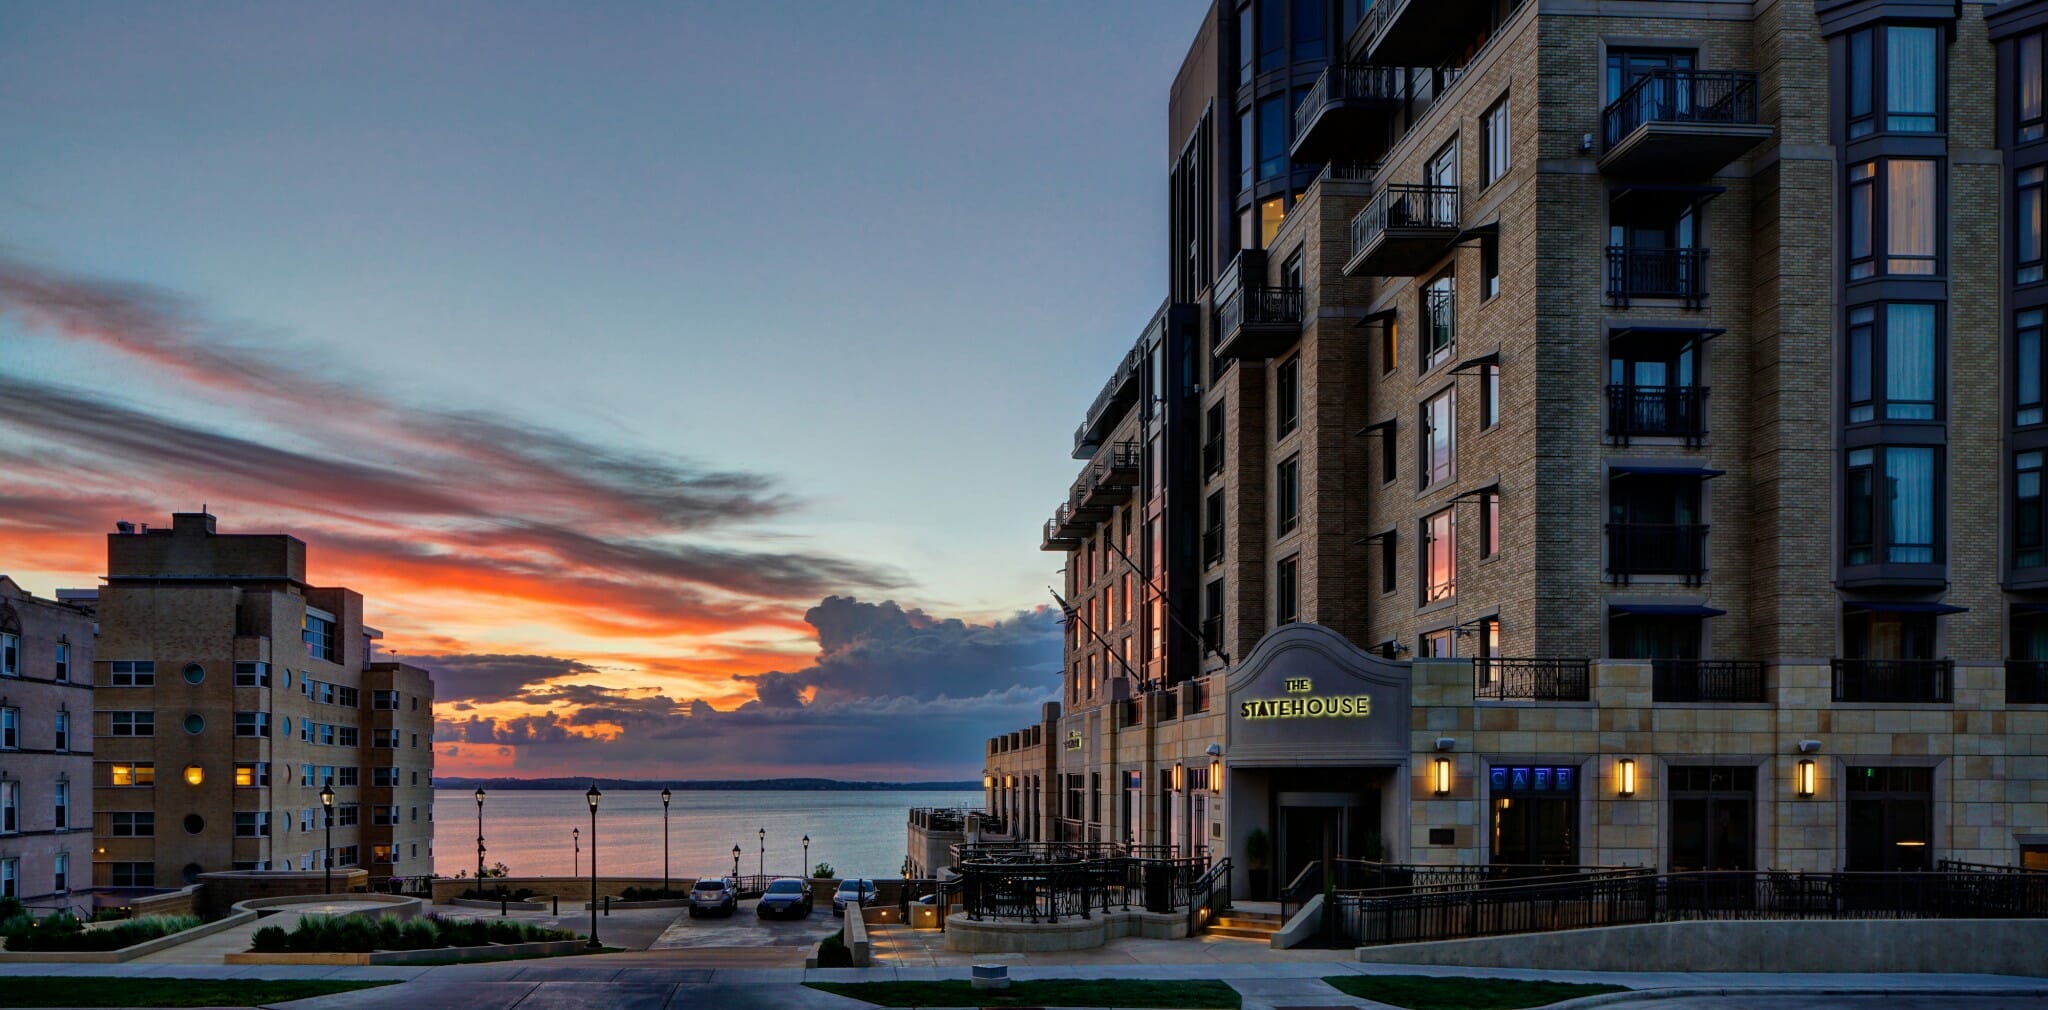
[1893,222]
[1439,557]
[1271,213]
[1438,432]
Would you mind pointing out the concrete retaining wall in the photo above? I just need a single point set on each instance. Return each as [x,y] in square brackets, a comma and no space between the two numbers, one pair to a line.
[855,936]
[125,953]
[510,906]
[222,891]
[1008,936]
[495,952]
[1990,946]
[1301,927]
[395,906]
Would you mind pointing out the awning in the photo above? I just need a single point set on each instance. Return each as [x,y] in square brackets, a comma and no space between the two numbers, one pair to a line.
[1372,537]
[1488,230]
[1665,609]
[1386,425]
[1634,331]
[1471,363]
[1382,316]
[1904,607]
[1493,488]
[1666,193]
[1644,470]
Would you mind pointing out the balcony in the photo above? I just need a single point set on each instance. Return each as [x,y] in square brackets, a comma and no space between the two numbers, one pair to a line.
[1679,274]
[1069,527]
[1111,481]
[1118,395]
[1706,680]
[1426,32]
[1258,321]
[1212,455]
[1404,230]
[1495,679]
[1681,123]
[1656,412]
[1906,681]
[1638,549]
[1342,107]
[2026,682]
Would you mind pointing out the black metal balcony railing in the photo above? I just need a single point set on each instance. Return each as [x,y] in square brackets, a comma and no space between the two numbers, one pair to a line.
[1713,680]
[1345,82]
[1259,306]
[1925,681]
[1212,456]
[1635,549]
[1656,273]
[2026,682]
[1404,205]
[1668,411]
[1212,545]
[1704,97]
[1532,679]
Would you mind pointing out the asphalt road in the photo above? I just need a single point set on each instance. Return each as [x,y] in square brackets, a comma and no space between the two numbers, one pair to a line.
[1902,1001]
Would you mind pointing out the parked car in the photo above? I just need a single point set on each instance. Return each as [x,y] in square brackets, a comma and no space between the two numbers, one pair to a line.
[857,891]
[787,896]
[713,896]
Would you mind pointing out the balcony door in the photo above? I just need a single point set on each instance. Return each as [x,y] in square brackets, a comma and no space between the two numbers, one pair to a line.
[1713,813]
[1654,636]
[1627,66]
[1653,387]
[1877,635]
[1655,526]
[1891,819]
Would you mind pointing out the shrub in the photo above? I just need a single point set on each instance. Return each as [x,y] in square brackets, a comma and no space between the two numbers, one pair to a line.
[271,940]
[653,893]
[361,934]
[63,932]
[832,952]
[494,893]
[823,870]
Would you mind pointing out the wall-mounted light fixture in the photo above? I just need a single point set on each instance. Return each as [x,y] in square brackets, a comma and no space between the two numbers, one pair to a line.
[1216,775]
[1625,777]
[1180,777]
[1802,781]
[1440,775]
[988,782]
[1009,781]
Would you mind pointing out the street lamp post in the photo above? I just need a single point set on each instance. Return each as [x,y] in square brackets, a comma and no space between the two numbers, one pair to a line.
[761,864]
[592,796]
[576,857]
[664,843]
[479,840]
[807,854]
[327,856]
[735,866]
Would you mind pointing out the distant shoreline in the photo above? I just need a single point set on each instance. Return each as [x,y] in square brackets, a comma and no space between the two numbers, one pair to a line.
[708,785]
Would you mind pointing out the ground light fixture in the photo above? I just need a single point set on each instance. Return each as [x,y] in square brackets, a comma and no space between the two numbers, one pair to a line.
[592,797]
[1440,775]
[1625,777]
[1802,781]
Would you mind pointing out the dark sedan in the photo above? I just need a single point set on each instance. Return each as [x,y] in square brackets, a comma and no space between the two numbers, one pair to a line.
[785,896]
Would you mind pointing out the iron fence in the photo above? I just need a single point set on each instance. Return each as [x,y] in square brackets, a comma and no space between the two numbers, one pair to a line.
[1404,205]
[1695,680]
[1926,681]
[1725,97]
[1656,273]
[1346,82]
[1498,679]
[1656,411]
[1048,890]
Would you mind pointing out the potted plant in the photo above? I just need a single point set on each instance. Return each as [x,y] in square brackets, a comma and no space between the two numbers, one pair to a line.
[1258,856]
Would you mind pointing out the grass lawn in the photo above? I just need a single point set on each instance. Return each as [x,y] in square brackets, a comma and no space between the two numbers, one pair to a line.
[20,991]
[1428,992]
[1199,995]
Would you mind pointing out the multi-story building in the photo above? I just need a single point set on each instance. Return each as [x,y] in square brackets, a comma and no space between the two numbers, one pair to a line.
[232,696]
[45,749]
[1423,484]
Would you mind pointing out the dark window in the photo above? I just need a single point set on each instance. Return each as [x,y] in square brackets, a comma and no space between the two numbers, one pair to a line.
[1653,386]
[1653,247]
[1894,362]
[1287,494]
[1890,819]
[2029,379]
[1894,218]
[1212,445]
[1489,395]
[1244,45]
[1627,66]
[1245,165]
[1272,34]
[1898,524]
[1653,636]
[1494,140]
[2027,118]
[1388,461]
[1287,591]
[2027,226]
[1273,135]
[1489,523]
[1870,635]
[1712,809]
[1389,563]
[1899,93]
[1309,31]
[1212,611]
[1212,531]
[1655,526]
[1288,410]
[1439,307]
[1489,266]
[2026,510]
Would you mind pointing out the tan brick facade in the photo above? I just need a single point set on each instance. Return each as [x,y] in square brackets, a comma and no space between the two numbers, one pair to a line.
[46,650]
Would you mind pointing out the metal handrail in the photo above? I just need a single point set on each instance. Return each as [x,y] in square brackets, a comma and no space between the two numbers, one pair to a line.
[1404,205]
[1637,411]
[1926,681]
[1678,272]
[1727,97]
[1259,305]
[1344,81]
[1705,680]
[1539,679]
[1656,549]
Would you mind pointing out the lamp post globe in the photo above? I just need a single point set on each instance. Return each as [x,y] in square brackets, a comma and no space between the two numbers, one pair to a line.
[592,796]
[327,855]
[664,842]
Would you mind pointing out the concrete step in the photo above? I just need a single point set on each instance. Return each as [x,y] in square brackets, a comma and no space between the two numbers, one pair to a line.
[1251,921]
[1241,933]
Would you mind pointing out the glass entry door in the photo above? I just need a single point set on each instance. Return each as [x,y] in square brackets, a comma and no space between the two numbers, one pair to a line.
[1891,818]
[1713,810]
[1535,815]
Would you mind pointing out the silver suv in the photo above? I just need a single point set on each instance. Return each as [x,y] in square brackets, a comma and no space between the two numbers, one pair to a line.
[713,895]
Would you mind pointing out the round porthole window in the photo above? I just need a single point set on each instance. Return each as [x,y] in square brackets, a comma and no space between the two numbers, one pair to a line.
[194,775]
[287,677]
[192,872]
[195,723]
[194,824]
[194,673]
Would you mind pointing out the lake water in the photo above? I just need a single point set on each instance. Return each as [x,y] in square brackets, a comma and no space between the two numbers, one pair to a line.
[859,833]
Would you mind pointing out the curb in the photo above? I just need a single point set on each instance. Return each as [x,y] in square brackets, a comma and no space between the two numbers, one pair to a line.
[1678,992]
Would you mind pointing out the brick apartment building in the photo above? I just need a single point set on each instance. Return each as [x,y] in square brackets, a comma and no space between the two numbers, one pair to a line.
[1644,415]
[45,749]
[230,693]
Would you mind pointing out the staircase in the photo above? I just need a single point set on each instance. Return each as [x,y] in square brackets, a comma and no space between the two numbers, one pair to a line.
[1244,925]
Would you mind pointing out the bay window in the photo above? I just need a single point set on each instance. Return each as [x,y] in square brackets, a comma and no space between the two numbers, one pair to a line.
[1891,510]
[1898,92]
[2028,123]
[2026,510]
[1894,217]
[2028,377]
[1894,362]
[2027,225]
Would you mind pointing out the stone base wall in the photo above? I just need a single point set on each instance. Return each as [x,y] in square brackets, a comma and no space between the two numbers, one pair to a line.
[1010,937]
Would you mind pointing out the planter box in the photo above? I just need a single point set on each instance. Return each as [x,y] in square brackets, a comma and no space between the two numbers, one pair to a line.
[129,953]
[503,951]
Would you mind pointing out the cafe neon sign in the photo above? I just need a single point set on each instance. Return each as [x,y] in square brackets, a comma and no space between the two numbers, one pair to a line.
[1303,703]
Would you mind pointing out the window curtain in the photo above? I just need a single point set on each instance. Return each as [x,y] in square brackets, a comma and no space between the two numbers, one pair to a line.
[1910,472]
[1909,362]
[1909,224]
[1909,78]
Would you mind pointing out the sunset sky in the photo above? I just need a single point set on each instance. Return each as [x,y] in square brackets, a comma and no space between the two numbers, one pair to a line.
[683,383]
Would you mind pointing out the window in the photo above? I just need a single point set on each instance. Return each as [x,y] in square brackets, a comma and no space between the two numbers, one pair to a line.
[319,637]
[10,655]
[252,674]
[1389,563]
[2027,267]
[60,803]
[1272,34]
[132,824]
[2026,511]
[1893,218]
[252,823]
[1272,211]
[252,776]
[131,673]
[1390,344]
[63,732]
[10,729]
[1438,426]
[1895,369]
[1439,558]
[384,738]
[1287,590]
[1244,45]
[1489,395]
[1898,94]
[386,700]
[1439,644]
[1245,166]
[1287,494]
[2027,119]
[384,776]
[347,736]
[252,724]
[142,774]
[1287,382]
[1494,140]
[1439,320]
[1489,523]
[384,814]
[345,776]
[1272,137]
[131,874]
[1308,31]
[1212,531]
[1212,614]
[1625,67]
[10,878]
[63,670]
[61,873]
[1388,461]
[1212,444]
[10,807]
[1489,266]
[1898,524]
[348,697]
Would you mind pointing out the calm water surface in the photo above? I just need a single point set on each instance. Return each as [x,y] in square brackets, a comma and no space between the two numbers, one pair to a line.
[859,833]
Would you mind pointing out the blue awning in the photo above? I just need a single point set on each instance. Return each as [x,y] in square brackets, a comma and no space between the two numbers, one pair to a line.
[1645,470]
[1905,607]
[1666,609]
